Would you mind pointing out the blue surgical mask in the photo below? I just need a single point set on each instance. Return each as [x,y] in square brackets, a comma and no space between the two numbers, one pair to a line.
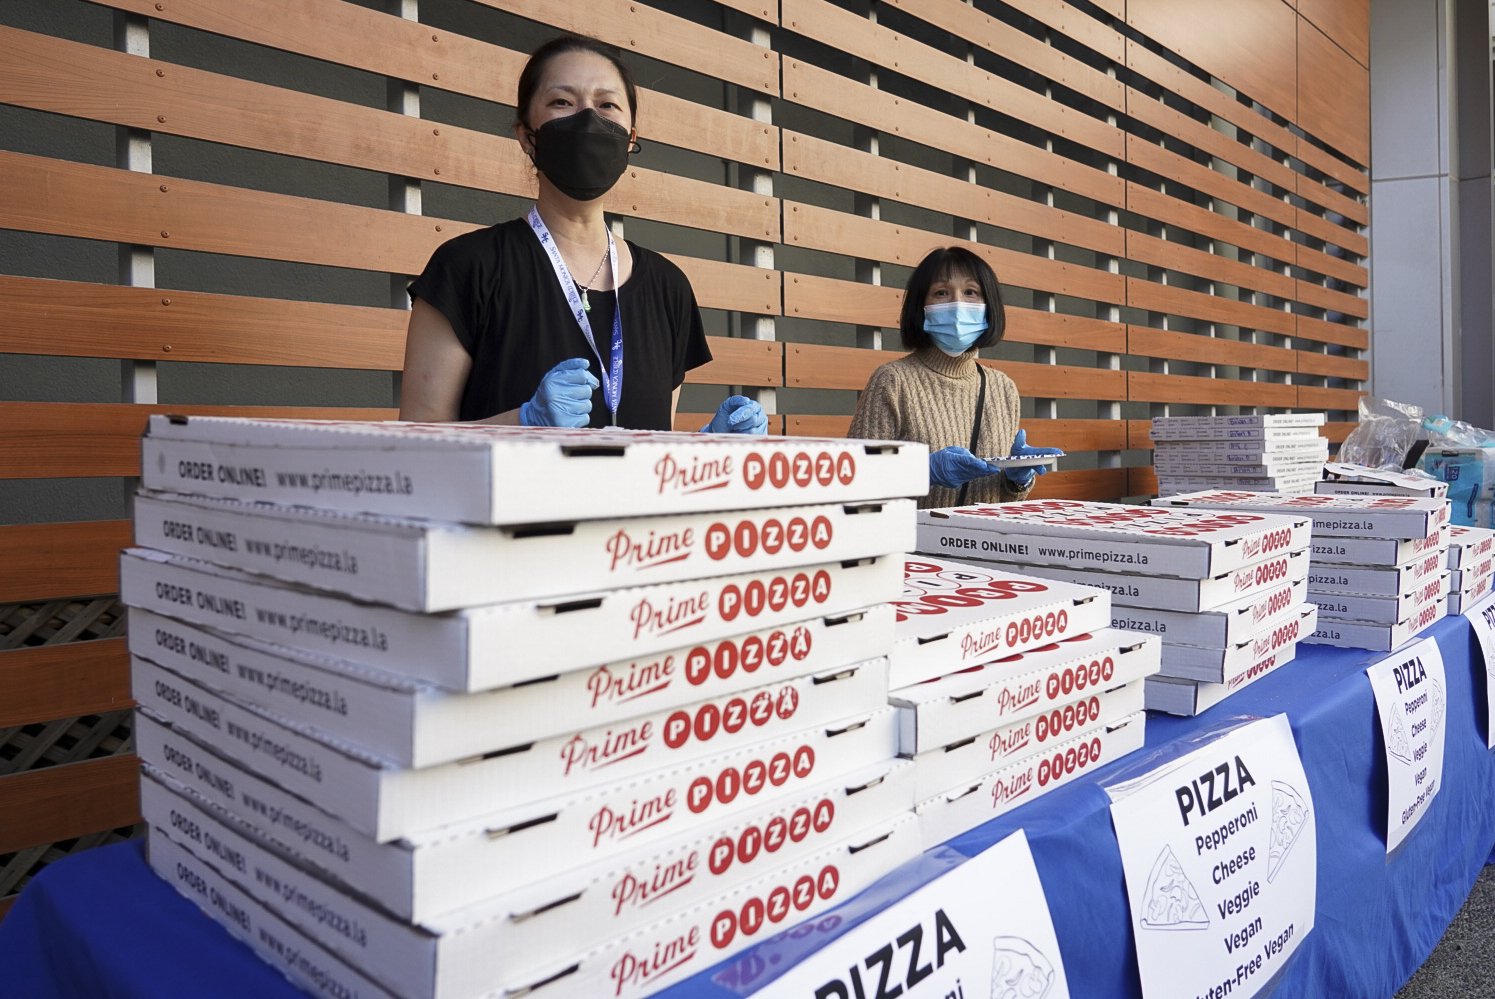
[954,326]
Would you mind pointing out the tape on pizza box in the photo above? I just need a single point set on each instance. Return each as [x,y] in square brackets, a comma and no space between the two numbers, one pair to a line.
[423,565]
[961,705]
[374,795]
[500,644]
[459,867]
[1378,551]
[482,474]
[1130,589]
[969,759]
[454,955]
[1333,516]
[1109,536]
[1179,696]
[956,614]
[416,724]
[1220,665]
[958,810]
[309,965]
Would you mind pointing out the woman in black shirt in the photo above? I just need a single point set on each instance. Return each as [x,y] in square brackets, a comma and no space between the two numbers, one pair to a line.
[547,320]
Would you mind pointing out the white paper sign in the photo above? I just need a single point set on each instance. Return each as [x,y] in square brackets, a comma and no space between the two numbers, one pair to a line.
[950,937]
[1412,701]
[1221,859]
[1482,619]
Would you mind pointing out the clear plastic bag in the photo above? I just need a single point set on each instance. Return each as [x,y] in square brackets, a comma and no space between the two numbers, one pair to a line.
[1444,432]
[1385,434]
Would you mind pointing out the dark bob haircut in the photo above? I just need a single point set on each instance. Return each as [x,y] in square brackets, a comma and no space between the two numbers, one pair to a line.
[942,264]
[529,79]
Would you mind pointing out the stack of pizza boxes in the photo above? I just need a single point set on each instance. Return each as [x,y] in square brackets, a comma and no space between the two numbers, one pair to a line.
[1225,594]
[1379,573]
[1471,566]
[470,710]
[1282,453]
[1007,686]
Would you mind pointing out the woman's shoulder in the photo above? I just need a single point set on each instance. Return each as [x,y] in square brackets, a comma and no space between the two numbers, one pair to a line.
[486,243]
[655,267]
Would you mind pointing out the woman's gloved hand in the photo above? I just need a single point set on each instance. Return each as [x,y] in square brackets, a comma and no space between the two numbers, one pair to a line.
[953,467]
[1022,478]
[564,398]
[738,415]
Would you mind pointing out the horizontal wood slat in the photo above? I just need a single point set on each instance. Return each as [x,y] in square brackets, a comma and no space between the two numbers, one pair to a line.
[1213,267]
[74,199]
[1145,342]
[1321,228]
[1147,387]
[1335,333]
[1330,399]
[825,229]
[1201,136]
[49,682]
[1180,169]
[1070,435]
[1092,484]
[1336,432]
[1319,262]
[1338,301]
[691,423]
[1171,211]
[47,561]
[877,109]
[1173,301]
[817,366]
[884,47]
[80,440]
[1142,481]
[1333,366]
[835,164]
[66,801]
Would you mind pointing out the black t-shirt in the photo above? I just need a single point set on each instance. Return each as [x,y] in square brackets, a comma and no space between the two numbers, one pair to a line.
[497,288]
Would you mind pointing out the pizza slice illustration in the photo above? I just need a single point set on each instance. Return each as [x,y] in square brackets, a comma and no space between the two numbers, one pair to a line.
[1289,816]
[1171,902]
[1019,970]
[1397,743]
[1435,707]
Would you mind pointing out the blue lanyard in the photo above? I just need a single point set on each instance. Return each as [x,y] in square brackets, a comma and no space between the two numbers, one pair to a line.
[612,373]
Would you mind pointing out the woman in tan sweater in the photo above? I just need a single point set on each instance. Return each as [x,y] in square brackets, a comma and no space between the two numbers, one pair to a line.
[951,309]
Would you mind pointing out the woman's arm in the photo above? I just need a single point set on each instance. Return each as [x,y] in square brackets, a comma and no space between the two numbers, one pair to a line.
[877,416]
[436,370]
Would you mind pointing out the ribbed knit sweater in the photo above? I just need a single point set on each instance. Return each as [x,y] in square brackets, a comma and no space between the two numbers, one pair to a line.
[930,397]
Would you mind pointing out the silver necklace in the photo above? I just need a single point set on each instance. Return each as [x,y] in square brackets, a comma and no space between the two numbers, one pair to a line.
[586,306]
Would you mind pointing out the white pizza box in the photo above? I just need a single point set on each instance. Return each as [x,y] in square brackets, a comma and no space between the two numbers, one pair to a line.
[1216,628]
[1378,551]
[957,810]
[309,965]
[1379,609]
[1187,595]
[1375,637]
[469,952]
[1187,465]
[486,474]
[392,801]
[1166,427]
[456,867]
[421,565]
[686,943]
[1458,600]
[1219,665]
[1248,451]
[1469,544]
[414,724]
[1177,696]
[1287,484]
[1114,536]
[957,614]
[1344,479]
[500,644]
[1334,516]
[968,760]
[961,705]
[1468,578]
[1384,581]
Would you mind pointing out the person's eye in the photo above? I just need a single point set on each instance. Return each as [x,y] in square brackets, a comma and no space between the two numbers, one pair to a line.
[611,106]
[560,102]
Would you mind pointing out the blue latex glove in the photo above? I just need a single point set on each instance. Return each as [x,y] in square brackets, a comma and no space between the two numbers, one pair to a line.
[953,467]
[1022,478]
[738,415]
[564,398]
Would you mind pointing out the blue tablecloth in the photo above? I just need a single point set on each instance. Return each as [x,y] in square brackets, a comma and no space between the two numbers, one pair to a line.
[100,924]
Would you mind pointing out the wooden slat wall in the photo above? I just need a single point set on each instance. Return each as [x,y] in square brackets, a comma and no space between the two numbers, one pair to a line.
[1177,206]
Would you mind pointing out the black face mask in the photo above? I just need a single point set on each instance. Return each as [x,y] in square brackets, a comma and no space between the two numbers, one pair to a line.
[582,154]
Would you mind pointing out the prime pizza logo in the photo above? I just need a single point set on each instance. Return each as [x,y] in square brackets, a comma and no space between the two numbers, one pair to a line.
[801,468]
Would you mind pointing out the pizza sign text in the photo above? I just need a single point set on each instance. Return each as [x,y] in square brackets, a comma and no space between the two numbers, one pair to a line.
[1212,789]
[1409,674]
[883,966]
